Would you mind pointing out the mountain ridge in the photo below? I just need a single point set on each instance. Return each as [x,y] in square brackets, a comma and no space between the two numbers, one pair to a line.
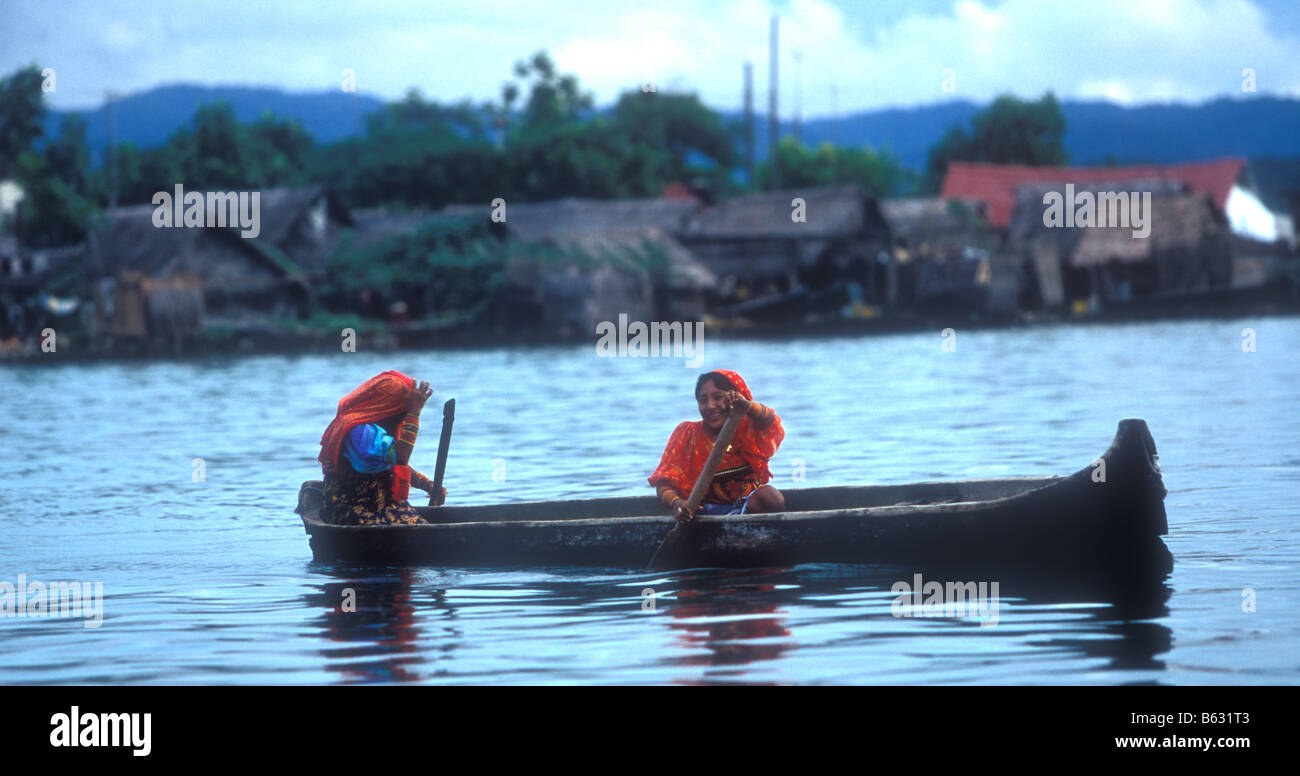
[1097,131]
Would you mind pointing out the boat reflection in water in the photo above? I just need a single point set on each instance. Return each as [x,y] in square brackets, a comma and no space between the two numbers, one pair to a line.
[370,617]
[735,616]
[741,618]
[726,626]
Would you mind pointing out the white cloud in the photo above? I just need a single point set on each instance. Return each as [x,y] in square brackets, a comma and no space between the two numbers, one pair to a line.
[1124,50]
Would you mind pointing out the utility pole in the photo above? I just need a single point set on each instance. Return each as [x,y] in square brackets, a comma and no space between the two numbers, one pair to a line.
[798,96]
[109,97]
[773,119]
[835,131]
[835,114]
[749,121]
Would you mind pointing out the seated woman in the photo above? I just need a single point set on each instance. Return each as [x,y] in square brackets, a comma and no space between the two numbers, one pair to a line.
[740,484]
[365,453]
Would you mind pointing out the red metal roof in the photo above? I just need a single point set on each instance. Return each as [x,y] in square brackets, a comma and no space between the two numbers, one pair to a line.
[676,190]
[996,184]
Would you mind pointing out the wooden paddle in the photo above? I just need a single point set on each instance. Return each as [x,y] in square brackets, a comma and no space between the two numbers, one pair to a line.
[705,479]
[444,442]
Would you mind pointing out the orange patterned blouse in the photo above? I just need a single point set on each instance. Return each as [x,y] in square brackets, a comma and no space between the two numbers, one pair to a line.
[743,468]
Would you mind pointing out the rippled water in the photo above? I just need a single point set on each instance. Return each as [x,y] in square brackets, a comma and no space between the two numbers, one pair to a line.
[213,582]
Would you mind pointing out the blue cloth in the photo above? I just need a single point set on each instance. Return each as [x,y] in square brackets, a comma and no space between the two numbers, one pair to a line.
[369,449]
[736,507]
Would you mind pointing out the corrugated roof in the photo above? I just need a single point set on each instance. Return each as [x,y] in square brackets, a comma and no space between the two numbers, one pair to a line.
[996,184]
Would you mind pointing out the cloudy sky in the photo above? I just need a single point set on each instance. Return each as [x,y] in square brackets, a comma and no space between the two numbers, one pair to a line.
[851,54]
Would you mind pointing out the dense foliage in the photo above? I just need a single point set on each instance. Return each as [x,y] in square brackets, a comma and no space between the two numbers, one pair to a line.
[540,139]
[445,267]
[1008,131]
[878,172]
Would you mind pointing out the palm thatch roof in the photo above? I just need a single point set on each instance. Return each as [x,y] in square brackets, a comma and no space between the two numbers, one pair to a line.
[1180,222]
[670,264]
[1026,219]
[573,216]
[914,218]
[284,210]
[1181,219]
[829,212]
[297,230]
[128,241]
[638,232]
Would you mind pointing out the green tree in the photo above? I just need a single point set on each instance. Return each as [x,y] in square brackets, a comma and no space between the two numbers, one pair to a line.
[1008,131]
[213,150]
[22,111]
[280,149]
[878,172]
[57,205]
[415,153]
[692,138]
[553,99]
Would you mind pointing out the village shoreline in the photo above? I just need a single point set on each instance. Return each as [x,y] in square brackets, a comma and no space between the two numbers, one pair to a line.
[788,263]
[397,340]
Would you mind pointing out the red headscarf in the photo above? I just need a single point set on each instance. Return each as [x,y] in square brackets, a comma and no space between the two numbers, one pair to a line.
[689,446]
[380,397]
[735,380]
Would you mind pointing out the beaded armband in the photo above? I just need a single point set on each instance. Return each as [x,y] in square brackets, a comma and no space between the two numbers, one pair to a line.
[409,430]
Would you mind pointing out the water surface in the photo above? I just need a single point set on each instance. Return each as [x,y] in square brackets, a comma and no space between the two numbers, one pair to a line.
[212,581]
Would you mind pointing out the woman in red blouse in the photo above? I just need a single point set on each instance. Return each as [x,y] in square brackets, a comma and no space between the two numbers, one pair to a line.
[740,484]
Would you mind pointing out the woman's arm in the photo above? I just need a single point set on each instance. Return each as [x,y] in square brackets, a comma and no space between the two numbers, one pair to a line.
[421,482]
[409,428]
[760,414]
[667,494]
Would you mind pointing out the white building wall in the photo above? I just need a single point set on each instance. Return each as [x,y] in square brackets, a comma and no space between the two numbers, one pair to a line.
[1249,217]
[10,195]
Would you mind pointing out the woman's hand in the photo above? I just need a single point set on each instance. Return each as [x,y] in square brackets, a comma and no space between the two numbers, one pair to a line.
[680,513]
[439,498]
[734,399]
[418,396]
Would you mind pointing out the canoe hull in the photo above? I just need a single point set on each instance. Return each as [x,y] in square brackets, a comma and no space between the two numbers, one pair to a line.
[1111,524]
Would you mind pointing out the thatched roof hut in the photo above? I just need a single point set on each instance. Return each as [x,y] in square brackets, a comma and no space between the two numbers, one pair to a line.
[1187,247]
[298,227]
[128,241]
[613,240]
[374,225]
[573,216]
[234,278]
[773,242]
[829,213]
[304,223]
[568,283]
[915,220]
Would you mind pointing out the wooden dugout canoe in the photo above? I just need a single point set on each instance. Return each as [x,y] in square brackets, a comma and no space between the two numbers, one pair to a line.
[1075,522]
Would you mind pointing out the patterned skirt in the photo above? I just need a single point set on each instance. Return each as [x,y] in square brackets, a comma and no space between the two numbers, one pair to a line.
[365,500]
